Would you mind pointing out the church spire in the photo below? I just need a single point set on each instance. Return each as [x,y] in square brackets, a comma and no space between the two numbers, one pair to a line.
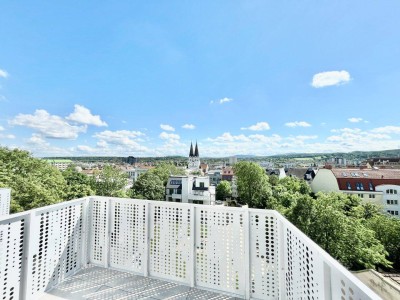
[196,151]
[191,150]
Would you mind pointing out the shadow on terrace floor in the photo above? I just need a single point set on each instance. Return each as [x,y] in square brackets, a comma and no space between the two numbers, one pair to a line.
[99,283]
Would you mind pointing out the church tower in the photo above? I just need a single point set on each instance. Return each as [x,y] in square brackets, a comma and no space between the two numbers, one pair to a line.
[194,158]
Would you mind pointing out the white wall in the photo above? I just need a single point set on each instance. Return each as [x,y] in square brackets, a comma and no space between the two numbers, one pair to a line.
[5,199]
[392,197]
[324,181]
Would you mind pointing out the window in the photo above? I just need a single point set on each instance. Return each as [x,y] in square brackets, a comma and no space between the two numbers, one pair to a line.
[348,185]
[393,212]
[395,202]
[179,191]
[371,187]
[171,191]
[361,186]
[371,196]
[391,191]
[170,199]
[361,195]
[201,184]
[178,200]
[175,182]
[357,186]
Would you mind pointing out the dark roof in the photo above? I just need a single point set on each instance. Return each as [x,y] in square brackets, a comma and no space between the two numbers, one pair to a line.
[367,174]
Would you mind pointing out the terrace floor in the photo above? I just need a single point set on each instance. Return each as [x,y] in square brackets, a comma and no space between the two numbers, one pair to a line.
[100,283]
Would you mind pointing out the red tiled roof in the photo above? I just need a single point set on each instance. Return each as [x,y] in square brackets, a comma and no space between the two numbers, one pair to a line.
[367,174]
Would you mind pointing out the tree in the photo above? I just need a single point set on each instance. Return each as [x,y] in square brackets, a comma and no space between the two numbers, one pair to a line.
[110,182]
[78,184]
[252,183]
[387,231]
[164,170]
[223,190]
[148,186]
[33,182]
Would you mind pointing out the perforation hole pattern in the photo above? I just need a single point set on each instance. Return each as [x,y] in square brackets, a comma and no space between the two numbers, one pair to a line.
[264,277]
[128,236]
[98,238]
[5,198]
[220,250]
[11,258]
[59,246]
[170,247]
[300,276]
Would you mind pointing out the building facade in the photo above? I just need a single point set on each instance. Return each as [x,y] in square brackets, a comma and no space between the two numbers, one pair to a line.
[194,158]
[190,189]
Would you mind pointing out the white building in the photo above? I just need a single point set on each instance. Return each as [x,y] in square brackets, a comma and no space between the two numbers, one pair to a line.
[134,173]
[390,198]
[190,189]
[215,177]
[5,199]
[61,164]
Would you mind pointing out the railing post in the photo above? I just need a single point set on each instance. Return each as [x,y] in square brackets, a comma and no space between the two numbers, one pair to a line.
[26,270]
[85,232]
[146,260]
[192,241]
[247,260]
[108,232]
[283,255]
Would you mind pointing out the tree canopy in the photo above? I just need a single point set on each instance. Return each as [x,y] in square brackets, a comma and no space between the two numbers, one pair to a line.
[33,182]
[78,184]
[110,181]
[223,190]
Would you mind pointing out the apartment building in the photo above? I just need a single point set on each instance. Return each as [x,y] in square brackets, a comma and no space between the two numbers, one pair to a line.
[190,189]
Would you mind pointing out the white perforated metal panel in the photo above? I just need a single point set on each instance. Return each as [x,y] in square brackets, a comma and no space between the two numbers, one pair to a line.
[12,232]
[55,245]
[5,198]
[170,248]
[220,249]
[99,239]
[264,255]
[128,235]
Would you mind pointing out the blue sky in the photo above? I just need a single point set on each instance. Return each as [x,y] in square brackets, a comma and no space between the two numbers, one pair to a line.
[241,77]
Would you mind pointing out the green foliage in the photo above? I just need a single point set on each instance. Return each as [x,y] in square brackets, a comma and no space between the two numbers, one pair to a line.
[33,182]
[223,190]
[164,170]
[148,186]
[252,183]
[78,184]
[110,181]
[387,231]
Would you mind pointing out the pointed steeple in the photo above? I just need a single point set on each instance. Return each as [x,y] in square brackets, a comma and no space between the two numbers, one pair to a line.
[191,150]
[196,151]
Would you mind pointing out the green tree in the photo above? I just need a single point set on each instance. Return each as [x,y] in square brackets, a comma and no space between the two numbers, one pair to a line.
[110,181]
[252,183]
[148,186]
[223,190]
[78,184]
[33,182]
[387,231]
[164,170]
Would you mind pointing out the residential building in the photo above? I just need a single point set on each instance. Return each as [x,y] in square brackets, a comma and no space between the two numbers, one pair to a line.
[135,173]
[215,177]
[5,199]
[61,164]
[380,186]
[276,172]
[227,173]
[232,160]
[194,158]
[190,189]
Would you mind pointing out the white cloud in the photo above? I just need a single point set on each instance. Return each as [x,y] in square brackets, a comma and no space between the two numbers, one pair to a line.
[3,73]
[169,136]
[222,100]
[7,136]
[354,120]
[260,126]
[83,115]
[225,100]
[227,137]
[324,79]
[167,127]
[298,124]
[387,130]
[50,126]
[85,148]
[1,128]
[119,137]
[188,126]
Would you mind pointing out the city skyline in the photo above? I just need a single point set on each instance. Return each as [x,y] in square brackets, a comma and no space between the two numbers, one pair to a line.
[249,78]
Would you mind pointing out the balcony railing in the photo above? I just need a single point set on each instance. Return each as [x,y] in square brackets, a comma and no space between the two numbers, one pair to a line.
[248,253]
